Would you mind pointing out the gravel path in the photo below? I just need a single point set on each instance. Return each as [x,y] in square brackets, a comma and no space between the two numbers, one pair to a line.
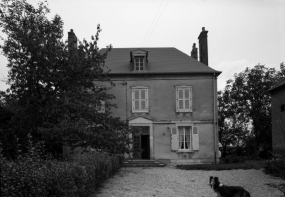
[171,182]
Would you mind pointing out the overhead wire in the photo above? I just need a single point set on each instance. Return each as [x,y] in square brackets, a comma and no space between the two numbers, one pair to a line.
[151,23]
[157,21]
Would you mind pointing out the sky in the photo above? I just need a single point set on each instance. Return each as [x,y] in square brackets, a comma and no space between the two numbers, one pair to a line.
[241,33]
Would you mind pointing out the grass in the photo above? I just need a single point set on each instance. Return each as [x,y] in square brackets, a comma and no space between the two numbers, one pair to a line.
[249,164]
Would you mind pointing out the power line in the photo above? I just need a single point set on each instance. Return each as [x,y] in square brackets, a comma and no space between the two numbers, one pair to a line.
[152,23]
[157,21]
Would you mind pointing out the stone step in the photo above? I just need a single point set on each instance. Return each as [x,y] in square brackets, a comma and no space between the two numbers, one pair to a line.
[142,163]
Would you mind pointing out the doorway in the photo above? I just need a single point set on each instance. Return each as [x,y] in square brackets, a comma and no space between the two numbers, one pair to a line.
[141,142]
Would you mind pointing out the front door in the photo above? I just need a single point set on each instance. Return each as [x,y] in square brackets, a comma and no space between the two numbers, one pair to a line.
[141,142]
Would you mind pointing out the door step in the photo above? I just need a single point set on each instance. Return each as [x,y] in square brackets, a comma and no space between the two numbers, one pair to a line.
[142,163]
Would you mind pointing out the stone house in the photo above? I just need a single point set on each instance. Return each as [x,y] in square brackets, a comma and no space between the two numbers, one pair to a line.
[170,97]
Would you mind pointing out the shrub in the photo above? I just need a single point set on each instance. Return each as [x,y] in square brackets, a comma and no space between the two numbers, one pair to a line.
[31,175]
[233,159]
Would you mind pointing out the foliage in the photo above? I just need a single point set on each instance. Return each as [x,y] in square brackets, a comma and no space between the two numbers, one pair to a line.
[248,164]
[52,93]
[35,174]
[245,110]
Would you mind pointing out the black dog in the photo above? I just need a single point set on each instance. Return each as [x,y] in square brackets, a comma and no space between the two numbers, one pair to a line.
[227,191]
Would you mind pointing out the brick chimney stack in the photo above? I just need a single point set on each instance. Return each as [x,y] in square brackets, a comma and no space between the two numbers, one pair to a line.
[203,46]
[72,39]
[194,52]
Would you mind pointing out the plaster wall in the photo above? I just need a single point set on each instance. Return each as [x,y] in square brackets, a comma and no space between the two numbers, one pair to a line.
[162,143]
[162,97]
[278,121]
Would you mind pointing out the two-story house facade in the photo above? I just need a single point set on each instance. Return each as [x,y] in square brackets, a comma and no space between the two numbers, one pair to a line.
[171,98]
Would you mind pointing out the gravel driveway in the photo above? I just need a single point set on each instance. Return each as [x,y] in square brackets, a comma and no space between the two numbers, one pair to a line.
[172,182]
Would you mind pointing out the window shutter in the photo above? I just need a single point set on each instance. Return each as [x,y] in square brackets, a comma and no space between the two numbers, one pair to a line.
[195,138]
[187,98]
[137,100]
[146,99]
[133,100]
[190,99]
[179,100]
[174,138]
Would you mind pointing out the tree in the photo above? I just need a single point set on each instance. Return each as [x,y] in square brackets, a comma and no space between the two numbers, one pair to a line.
[245,101]
[52,93]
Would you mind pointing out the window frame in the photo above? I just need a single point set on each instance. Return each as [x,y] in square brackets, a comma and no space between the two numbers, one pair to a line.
[184,138]
[184,99]
[141,63]
[146,99]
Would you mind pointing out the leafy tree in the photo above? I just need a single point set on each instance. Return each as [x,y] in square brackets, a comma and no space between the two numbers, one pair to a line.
[245,101]
[52,93]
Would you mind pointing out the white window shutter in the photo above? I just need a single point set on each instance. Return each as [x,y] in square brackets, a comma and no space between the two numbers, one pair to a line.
[187,98]
[177,100]
[146,100]
[190,99]
[174,138]
[195,138]
[133,100]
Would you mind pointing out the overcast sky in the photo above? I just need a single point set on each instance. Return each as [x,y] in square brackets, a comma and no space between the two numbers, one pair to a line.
[242,33]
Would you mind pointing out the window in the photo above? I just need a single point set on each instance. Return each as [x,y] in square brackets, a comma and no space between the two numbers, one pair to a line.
[139,63]
[184,99]
[100,106]
[140,99]
[139,58]
[184,137]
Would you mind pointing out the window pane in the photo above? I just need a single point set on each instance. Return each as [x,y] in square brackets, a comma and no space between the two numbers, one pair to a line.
[180,102]
[187,130]
[137,104]
[137,94]
[188,145]
[187,93]
[180,94]
[143,104]
[187,104]
[142,94]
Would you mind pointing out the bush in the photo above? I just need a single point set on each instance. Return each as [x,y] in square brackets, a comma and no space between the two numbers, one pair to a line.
[31,175]
[233,159]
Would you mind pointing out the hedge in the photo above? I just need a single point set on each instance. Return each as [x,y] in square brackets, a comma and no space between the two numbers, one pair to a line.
[32,176]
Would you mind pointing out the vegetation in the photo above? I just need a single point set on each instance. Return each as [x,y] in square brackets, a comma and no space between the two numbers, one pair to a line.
[247,164]
[52,94]
[36,174]
[245,112]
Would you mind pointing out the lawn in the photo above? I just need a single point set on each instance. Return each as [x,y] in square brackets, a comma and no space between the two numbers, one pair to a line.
[248,164]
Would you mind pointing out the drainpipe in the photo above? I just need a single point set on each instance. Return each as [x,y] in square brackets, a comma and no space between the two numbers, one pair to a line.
[215,130]
[126,85]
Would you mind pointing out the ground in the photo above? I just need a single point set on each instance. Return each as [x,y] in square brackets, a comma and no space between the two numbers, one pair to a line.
[170,182]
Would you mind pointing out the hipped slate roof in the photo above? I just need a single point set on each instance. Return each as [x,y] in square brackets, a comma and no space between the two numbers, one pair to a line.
[279,84]
[160,61]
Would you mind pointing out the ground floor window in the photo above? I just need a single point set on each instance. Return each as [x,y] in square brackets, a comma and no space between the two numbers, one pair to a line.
[184,137]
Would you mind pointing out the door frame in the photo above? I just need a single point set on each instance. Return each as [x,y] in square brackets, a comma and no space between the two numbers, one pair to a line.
[140,121]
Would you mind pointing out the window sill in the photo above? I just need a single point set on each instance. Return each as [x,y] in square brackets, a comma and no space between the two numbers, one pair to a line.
[185,151]
[140,111]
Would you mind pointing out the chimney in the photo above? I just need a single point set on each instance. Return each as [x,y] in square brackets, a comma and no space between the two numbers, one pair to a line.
[194,52]
[72,39]
[203,46]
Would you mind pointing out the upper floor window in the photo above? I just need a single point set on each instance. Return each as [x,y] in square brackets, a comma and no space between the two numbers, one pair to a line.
[139,59]
[139,63]
[100,106]
[184,99]
[139,99]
